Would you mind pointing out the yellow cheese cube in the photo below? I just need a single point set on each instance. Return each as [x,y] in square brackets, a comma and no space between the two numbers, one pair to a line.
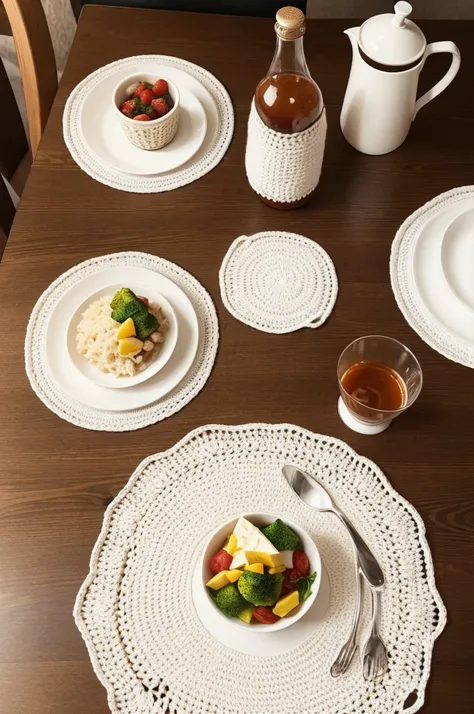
[129,346]
[232,545]
[273,560]
[278,569]
[286,604]
[246,615]
[126,329]
[233,575]
[256,568]
[218,581]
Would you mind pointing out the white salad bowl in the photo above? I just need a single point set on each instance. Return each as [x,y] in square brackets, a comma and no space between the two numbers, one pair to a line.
[148,135]
[93,373]
[260,520]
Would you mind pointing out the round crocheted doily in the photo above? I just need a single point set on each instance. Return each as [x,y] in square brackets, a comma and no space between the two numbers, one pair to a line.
[191,171]
[431,330]
[278,282]
[135,610]
[73,411]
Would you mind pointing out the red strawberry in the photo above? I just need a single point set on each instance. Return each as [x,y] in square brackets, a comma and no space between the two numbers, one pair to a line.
[160,106]
[301,563]
[152,114]
[143,299]
[139,89]
[265,615]
[220,561]
[146,96]
[286,587]
[291,574]
[128,107]
[142,117]
[160,87]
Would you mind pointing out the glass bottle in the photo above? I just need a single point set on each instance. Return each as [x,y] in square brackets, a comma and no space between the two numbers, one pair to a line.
[287,99]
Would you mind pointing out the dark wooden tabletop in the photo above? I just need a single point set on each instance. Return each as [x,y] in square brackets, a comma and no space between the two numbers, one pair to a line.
[56,479]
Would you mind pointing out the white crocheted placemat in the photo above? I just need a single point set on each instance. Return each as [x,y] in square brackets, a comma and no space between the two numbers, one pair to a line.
[278,282]
[135,610]
[191,171]
[100,420]
[431,330]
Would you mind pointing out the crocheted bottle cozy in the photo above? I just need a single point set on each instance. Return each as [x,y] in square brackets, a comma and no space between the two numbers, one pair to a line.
[284,167]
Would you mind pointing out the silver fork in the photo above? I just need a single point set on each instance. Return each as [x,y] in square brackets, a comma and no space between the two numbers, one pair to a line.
[344,658]
[374,655]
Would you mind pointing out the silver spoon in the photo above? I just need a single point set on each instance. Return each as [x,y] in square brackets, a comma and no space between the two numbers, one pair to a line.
[348,649]
[311,492]
[374,655]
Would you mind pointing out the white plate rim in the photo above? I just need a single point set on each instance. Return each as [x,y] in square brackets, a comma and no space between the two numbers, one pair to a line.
[444,258]
[152,393]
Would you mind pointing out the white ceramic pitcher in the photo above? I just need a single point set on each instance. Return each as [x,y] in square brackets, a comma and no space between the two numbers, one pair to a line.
[388,54]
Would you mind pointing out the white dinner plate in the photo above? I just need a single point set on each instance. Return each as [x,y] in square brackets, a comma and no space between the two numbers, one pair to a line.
[73,382]
[429,280]
[110,380]
[268,644]
[99,136]
[457,257]
[103,133]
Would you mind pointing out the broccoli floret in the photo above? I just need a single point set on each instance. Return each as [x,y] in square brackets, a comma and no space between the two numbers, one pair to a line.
[281,536]
[260,589]
[230,601]
[145,324]
[125,304]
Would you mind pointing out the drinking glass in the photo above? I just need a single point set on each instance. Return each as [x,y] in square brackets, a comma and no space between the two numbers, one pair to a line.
[384,351]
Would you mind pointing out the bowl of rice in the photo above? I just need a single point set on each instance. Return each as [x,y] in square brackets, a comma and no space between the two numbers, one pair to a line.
[94,347]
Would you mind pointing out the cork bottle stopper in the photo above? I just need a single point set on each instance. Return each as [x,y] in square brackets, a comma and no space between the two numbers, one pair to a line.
[289,23]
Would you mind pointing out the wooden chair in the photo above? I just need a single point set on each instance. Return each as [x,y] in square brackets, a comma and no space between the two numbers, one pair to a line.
[26,22]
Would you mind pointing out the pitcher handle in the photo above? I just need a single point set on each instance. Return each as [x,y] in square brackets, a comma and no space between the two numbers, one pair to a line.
[433,48]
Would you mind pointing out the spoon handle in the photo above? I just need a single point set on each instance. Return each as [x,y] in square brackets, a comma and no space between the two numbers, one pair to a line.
[369,566]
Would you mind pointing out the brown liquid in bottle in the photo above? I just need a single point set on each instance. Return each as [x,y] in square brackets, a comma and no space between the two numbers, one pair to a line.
[288,100]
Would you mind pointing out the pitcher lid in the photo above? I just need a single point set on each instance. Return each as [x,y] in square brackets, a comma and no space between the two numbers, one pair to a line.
[392,39]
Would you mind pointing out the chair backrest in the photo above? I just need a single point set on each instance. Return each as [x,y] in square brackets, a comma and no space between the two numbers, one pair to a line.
[26,22]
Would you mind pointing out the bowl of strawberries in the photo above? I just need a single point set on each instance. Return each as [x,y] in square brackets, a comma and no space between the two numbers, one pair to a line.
[148,110]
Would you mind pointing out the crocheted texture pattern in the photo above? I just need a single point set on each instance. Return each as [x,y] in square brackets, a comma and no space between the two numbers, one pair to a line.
[191,171]
[414,310]
[278,282]
[151,136]
[284,167]
[135,610]
[73,411]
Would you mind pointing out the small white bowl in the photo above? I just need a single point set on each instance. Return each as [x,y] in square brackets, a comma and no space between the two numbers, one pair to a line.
[148,135]
[260,520]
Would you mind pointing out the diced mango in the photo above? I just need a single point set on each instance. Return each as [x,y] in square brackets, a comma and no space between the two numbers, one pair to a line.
[232,546]
[246,615]
[272,560]
[277,569]
[233,575]
[286,604]
[256,568]
[218,581]
[129,346]
[126,329]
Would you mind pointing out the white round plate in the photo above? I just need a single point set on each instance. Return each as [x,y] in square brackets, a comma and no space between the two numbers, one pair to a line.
[457,257]
[269,644]
[110,380]
[111,147]
[429,280]
[73,382]
[106,138]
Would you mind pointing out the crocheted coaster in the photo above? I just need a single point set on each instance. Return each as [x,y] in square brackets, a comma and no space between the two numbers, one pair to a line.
[194,169]
[411,304]
[284,167]
[278,282]
[67,407]
[135,609]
